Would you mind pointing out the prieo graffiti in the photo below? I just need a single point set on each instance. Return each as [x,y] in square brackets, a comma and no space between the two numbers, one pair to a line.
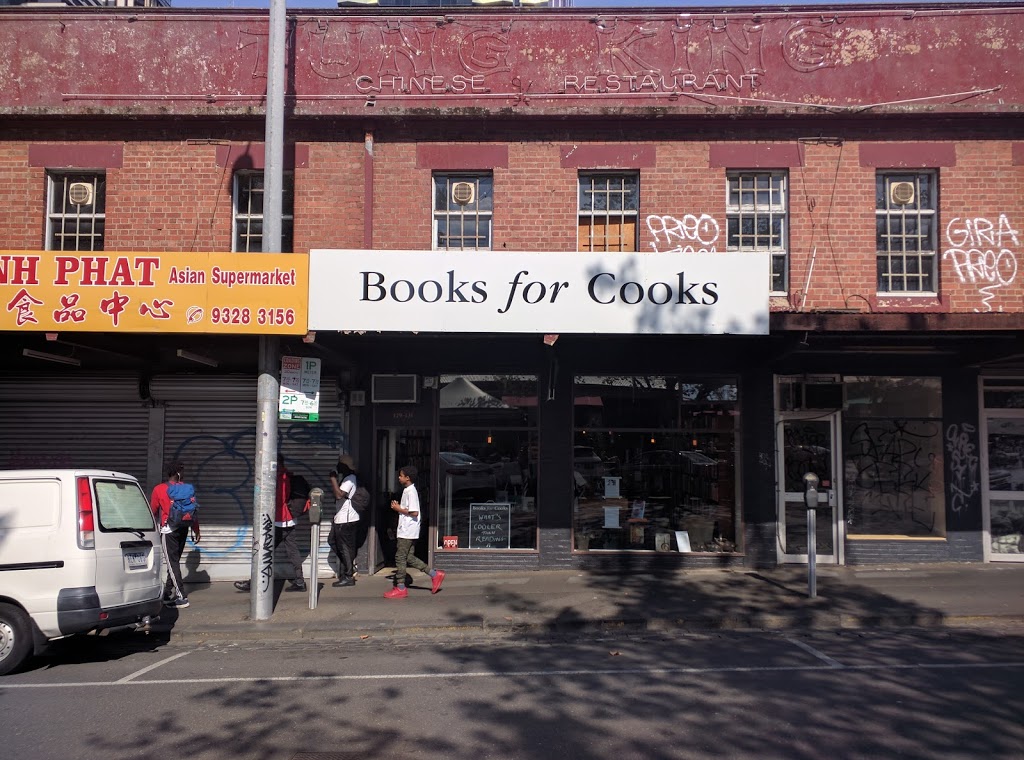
[963,465]
[691,234]
[980,254]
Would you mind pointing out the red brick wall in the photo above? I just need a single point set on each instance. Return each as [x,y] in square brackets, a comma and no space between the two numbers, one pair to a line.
[22,198]
[172,195]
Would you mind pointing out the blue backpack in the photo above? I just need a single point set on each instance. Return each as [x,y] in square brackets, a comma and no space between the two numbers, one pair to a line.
[183,504]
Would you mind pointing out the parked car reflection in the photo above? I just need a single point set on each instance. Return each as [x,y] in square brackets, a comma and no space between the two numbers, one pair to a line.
[462,472]
[586,462]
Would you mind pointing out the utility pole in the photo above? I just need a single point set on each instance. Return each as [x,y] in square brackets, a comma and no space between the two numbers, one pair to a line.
[269,387]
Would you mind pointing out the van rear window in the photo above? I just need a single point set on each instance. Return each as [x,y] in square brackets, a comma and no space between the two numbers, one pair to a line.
[122,506]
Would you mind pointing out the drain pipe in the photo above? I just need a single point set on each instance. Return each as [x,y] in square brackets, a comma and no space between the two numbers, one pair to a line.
[368,190]
[810,270]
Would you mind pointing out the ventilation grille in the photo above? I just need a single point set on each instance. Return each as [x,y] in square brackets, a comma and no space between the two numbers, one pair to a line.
[80,194]
[463,193]
[901,193]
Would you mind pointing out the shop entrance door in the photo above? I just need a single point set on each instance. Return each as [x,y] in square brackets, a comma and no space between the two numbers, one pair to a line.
[1004,484]
[808,442]
[395,448]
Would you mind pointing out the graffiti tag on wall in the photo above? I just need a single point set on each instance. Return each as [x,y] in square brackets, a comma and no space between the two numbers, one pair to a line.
[963,465]
[894,476]
[691,234]
[981,253]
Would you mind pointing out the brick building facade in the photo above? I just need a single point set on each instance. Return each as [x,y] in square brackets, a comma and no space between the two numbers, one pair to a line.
[874,159]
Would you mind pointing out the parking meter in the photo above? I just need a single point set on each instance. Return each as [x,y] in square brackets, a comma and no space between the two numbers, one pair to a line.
[316,501]
[811,490]
[811,502]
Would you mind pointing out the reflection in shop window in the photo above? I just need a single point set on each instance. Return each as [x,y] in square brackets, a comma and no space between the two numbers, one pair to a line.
[892,456]
[1007,526]
[654,464]
[487,463]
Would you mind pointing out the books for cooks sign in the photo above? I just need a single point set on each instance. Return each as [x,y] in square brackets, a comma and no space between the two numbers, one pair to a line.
[61,291]
[554,292]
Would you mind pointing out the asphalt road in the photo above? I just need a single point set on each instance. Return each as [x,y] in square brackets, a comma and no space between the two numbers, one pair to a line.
[847,694]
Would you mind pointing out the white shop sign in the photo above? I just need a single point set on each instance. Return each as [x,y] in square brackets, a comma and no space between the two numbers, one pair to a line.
[554,292]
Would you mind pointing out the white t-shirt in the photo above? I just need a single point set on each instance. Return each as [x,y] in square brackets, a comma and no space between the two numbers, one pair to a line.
[409,525]
[346,512]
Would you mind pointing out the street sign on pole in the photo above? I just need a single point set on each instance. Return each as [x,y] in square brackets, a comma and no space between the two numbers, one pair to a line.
[300,389]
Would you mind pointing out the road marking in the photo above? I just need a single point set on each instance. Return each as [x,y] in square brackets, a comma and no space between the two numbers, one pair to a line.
[522,674]
[155,665]
[811,650]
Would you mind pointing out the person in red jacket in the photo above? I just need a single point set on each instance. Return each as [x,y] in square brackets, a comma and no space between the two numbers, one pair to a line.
[173,540]
[284,529]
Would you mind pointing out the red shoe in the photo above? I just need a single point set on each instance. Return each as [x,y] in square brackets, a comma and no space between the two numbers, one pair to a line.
[436,581]
[396,593]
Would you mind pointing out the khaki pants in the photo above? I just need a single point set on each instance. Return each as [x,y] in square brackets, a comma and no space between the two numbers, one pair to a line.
[404,557]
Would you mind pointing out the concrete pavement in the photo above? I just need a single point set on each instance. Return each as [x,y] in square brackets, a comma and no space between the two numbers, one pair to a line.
[573,600]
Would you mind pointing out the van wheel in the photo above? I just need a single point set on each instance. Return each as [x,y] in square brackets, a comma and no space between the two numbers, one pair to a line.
[15,638]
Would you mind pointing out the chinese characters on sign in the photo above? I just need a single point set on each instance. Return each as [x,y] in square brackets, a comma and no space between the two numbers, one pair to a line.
[300,389]
[154,292]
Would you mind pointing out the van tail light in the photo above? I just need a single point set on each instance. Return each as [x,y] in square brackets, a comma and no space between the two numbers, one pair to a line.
[86,521]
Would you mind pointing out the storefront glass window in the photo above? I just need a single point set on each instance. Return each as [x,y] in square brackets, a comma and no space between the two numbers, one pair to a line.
[654,463]
[892,456]
[487,463]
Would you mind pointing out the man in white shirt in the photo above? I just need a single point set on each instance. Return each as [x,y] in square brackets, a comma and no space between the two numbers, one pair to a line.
[408,531]
[342,538]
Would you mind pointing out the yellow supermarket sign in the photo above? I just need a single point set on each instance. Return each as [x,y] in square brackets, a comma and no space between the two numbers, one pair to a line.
[62,291]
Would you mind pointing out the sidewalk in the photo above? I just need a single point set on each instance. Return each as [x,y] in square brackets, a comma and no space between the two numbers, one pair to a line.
[573,600]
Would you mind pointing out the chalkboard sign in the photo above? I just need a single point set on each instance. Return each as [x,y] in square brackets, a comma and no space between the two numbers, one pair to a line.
[489,525]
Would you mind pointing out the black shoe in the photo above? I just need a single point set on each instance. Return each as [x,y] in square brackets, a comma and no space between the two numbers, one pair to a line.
[242,585]
[297,586]
[343,582]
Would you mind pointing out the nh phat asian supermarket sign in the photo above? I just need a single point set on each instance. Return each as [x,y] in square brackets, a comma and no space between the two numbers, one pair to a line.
[257,293]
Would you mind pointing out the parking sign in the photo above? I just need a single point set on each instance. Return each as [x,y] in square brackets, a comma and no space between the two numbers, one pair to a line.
[300,389]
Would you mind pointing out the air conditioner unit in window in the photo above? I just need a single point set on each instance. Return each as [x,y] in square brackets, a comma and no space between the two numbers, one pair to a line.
[80,194]
[394,389]
[815,393]
[463,193]
[901,193]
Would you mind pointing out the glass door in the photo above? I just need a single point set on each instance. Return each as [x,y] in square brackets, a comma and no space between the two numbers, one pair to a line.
[808,442]
[396,448]
[1004,492]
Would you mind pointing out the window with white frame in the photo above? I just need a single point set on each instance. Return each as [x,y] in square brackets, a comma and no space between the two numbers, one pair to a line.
[463,210]
[757,218]
[76,211]
[905,231]
[608,210]
[248,214]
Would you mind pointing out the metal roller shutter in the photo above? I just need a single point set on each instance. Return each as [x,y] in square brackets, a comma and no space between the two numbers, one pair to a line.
[74,421]
[210,425]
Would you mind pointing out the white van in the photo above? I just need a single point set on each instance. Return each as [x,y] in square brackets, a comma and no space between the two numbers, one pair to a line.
[79,552]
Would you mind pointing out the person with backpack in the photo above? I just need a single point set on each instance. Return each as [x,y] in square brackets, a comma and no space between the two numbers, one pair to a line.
[175,508]
[287,508]
[342,538]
